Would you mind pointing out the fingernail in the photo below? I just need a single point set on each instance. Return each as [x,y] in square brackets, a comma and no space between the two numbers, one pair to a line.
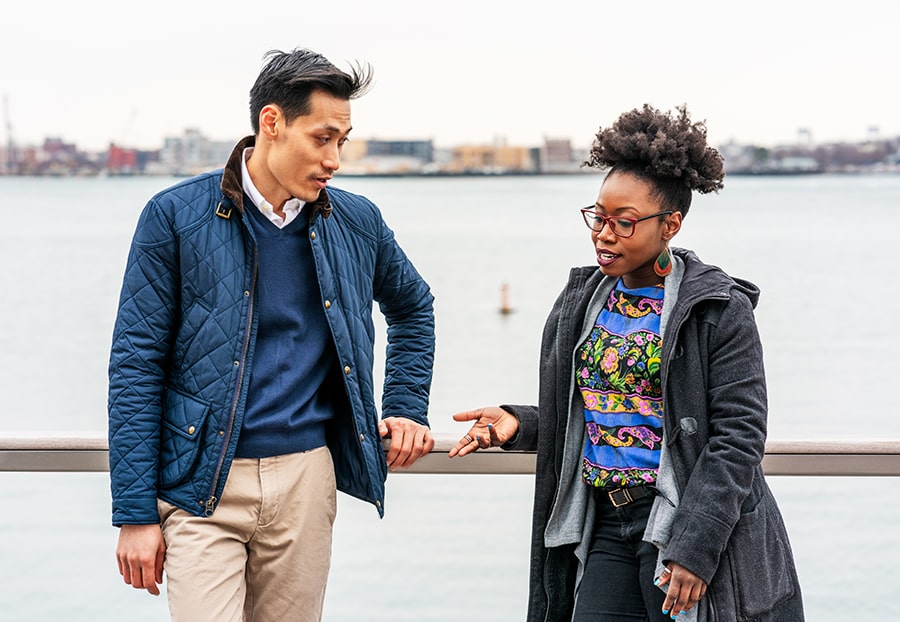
[490,427]
[682,612]
[665,612]
[656,582]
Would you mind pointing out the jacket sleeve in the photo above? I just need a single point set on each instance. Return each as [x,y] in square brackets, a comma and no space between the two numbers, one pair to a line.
[526,437]
[721,479]
[141,341]
[406,301]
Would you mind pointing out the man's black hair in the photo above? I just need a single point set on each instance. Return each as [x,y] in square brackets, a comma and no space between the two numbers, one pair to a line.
[289,78]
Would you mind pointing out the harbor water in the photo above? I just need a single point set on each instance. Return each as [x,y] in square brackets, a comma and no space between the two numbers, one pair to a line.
[823,250]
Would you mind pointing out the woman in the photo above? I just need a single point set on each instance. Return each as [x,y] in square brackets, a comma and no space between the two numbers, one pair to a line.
[650,501]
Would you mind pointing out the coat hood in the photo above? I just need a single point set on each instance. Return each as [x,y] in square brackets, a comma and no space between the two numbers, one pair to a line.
[713,279]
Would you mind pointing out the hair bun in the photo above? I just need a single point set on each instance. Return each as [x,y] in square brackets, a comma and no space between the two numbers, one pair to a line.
[660,145]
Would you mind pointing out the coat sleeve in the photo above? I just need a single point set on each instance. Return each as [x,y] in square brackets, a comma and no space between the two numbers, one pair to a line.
[722,476]
[141,341]
[526,436]
[554,375]
[406,301]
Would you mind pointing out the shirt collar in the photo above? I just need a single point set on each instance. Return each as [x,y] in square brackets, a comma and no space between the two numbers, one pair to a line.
[291,208]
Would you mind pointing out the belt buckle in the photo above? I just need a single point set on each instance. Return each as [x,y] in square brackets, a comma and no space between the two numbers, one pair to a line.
[613,495]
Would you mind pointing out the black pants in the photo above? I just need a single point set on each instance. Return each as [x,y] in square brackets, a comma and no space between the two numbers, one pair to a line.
[618,578]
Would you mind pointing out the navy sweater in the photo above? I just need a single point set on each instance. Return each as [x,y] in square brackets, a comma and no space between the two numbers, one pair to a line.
[288,401]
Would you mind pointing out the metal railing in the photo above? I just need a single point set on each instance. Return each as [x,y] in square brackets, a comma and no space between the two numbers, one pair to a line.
[805,458]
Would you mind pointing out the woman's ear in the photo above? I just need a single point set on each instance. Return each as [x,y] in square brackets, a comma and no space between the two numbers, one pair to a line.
[672,225]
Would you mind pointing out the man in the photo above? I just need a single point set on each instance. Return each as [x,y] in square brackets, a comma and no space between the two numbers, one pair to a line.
[241,381]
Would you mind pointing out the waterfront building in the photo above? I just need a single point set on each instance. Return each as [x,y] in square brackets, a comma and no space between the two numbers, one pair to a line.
[494,159]
[387,157]
[556,155]
[191,153]
[121,161]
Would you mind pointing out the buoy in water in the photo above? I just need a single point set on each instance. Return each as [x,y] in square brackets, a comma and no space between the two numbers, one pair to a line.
[505,307]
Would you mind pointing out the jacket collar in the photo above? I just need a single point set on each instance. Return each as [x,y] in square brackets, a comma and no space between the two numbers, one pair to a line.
[233,188]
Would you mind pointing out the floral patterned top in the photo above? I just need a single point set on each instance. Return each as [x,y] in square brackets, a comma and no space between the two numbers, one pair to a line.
[617,373]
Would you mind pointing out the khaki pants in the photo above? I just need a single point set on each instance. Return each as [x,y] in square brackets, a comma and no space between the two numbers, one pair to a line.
[264,554]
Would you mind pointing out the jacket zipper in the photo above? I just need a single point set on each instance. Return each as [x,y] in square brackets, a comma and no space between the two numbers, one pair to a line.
[212,500]
[341,363]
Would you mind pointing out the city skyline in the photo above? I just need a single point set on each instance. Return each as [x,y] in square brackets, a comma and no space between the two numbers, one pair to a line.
[803,137]
[90,74]
[193,152]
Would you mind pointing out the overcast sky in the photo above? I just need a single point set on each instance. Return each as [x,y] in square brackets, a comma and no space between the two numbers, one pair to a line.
[97,71]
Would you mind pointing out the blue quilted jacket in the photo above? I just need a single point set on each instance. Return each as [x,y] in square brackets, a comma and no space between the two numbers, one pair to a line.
[184,338]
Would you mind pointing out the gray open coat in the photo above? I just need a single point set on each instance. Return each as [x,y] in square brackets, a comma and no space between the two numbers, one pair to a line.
[716,516]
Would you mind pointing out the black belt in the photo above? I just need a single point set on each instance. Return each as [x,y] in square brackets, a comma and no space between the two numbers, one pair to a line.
[623,496]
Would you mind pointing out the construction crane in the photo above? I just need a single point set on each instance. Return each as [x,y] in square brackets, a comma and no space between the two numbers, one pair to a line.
[11,159]
[126,131]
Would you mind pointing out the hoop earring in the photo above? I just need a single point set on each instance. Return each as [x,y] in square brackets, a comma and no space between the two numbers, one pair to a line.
[663,264]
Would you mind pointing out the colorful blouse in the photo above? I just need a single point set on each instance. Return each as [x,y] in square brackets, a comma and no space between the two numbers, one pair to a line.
[617,373]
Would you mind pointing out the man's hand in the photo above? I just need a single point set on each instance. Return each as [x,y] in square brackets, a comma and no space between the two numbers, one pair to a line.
[140,555]
[409,441]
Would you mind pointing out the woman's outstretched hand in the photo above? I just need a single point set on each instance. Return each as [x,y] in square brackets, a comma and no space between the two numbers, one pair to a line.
[493,427]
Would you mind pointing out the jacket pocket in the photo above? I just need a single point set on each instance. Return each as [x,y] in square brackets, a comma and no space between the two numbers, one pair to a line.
[183,419]
[761,561]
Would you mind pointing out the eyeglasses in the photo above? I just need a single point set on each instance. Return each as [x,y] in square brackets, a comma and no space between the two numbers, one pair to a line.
[620,225]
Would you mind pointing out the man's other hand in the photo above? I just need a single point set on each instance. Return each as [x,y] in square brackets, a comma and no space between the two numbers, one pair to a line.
[409,441]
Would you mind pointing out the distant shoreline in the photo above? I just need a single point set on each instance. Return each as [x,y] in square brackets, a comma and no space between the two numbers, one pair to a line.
[474,174]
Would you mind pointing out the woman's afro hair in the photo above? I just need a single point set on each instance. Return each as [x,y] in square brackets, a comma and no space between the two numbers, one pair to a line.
[660,146]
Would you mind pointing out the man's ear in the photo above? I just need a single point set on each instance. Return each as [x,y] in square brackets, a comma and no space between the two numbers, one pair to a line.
[269,118]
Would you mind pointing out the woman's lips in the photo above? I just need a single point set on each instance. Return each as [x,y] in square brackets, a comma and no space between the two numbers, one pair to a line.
[605,258]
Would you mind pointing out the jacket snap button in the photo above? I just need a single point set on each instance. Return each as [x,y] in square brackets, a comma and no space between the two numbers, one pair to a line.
[347,370]
[221,432]
[246,292]
[327,304]
[236,363]
[312,235]
[362,438]
[191,430]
